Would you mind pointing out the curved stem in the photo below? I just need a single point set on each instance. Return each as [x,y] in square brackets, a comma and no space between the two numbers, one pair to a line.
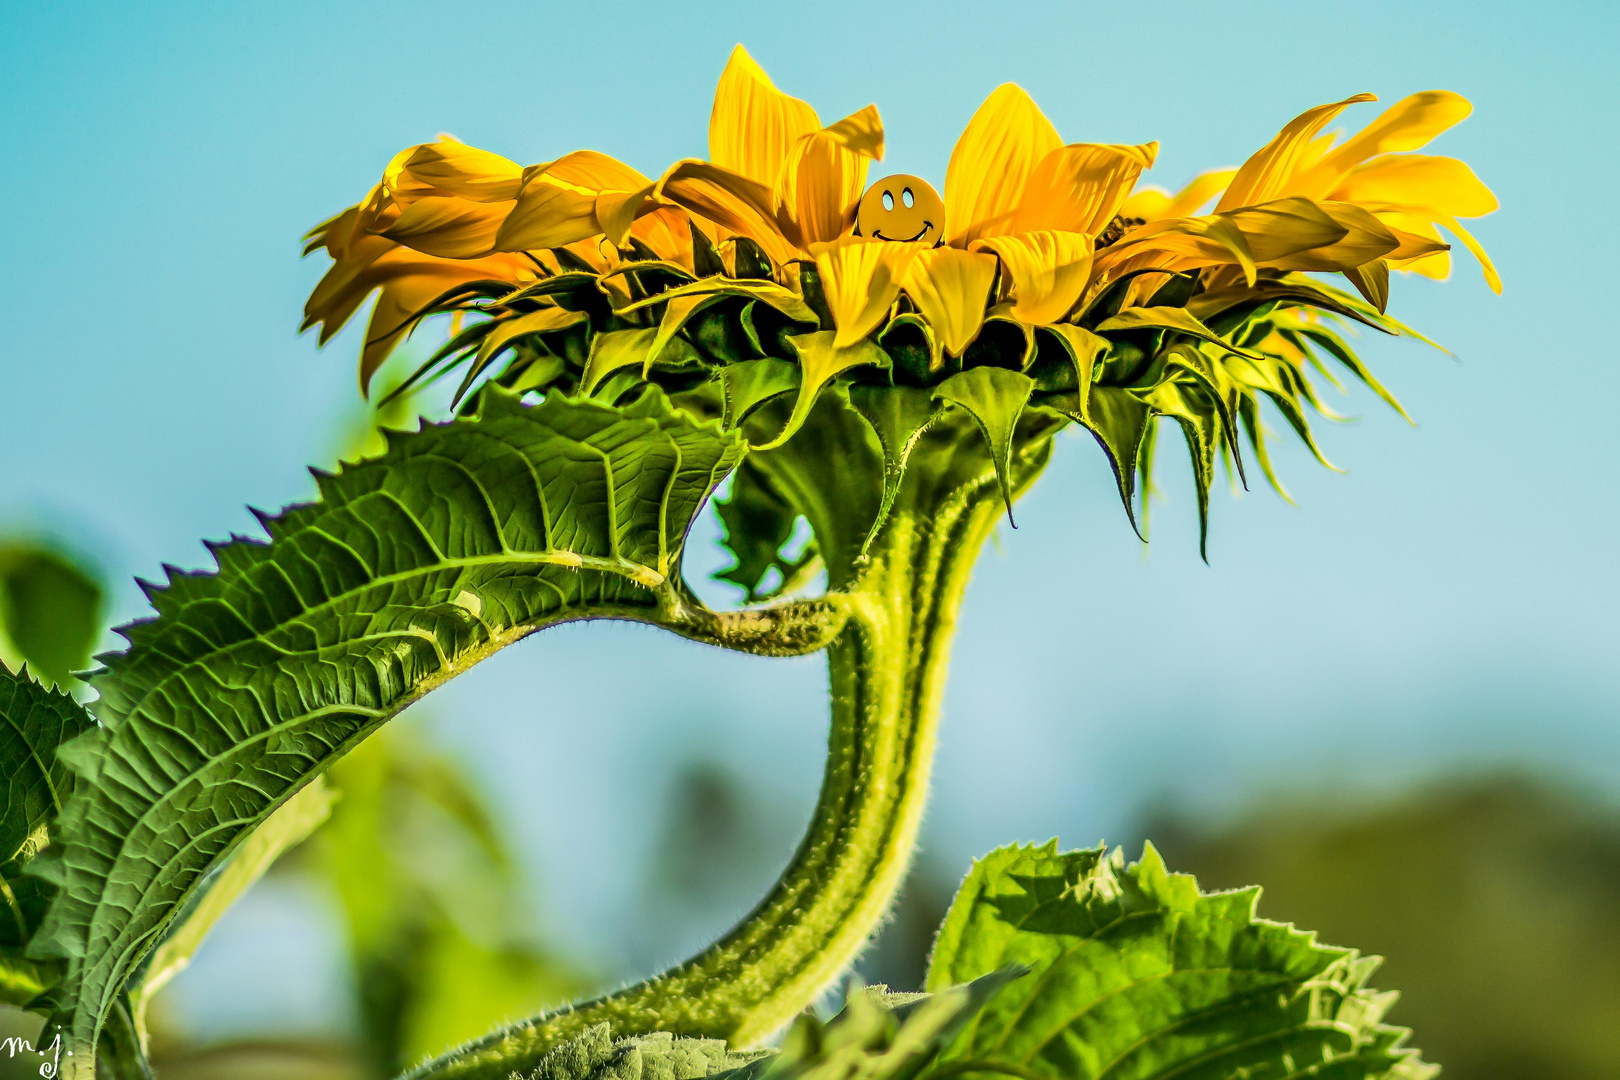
[887,673]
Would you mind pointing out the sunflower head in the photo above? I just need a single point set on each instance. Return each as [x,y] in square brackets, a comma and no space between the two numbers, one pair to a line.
[769,289]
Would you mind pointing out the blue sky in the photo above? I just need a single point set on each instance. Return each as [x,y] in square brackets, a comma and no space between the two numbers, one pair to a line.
[1449,602]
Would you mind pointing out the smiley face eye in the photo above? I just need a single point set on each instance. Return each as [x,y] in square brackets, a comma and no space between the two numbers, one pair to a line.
[888,201]
[907,198]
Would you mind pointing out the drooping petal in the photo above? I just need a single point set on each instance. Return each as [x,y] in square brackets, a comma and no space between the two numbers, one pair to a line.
[409,282]
[1365,239]
[668,231]
[1267,173]
[451,167]
[549,213]
[1440,185]
[1049,270]
[860,277]
[1249,237]
[730,200]
[592,170]
[754,125]
[616,211]
[1492,278]
[449,227]
[951,288]
[1003,143]
[1409,124]
[1079,188]
[820,185]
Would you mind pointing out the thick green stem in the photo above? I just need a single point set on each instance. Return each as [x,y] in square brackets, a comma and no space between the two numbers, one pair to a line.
[887,671]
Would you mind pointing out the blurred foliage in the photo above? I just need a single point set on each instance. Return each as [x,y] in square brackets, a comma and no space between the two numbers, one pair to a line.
[432,903]
[50,611]
[1494,900]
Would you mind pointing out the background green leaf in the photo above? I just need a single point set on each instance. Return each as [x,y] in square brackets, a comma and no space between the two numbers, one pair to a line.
[50,611]
[1136,975]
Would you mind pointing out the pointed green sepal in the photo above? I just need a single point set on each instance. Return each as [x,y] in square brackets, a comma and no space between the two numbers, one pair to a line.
[994,397]
[898,416]
[819,361]
[747,386]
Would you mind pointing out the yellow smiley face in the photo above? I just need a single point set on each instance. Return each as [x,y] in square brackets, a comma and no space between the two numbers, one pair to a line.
[902,207]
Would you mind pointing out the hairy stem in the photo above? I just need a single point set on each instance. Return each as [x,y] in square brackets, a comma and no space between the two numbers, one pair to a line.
[887,668]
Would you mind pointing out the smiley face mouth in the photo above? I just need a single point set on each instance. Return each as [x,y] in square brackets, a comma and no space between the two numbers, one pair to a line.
[878,235]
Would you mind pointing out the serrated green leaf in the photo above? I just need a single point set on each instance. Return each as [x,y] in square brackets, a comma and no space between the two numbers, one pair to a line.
[994,397]
[597,1055]
[462,538]
[1136,975]
[878,1035]
[37,721]
[288,827]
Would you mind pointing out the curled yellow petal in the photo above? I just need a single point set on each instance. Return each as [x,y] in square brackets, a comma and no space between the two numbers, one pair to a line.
[1003,143]
[1441,185]
[450,228]
[1079,188]
[549,213]
[1267,173]
[754,125]
[1049,270]
[1409,124]
[1364,238]
[616,211]
[860,277]
[951,288]
[729,200]
[451,167]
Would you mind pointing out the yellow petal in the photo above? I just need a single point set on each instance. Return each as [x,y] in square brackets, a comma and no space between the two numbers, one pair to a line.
[951,288]
[1049,270]
[860,132]
[754,124]
[616,211]
[860,277]
[448,227]
[592,171]
[821,184]
[1001,146]
[1364,239]
[549,213]
[1079,188]
[668,231]
[1440,185]
[1492,278]
[1409,124]
[730,200]
[450,167]
[1266,174]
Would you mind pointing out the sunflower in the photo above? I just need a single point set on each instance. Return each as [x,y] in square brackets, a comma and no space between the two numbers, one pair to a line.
[743,279]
